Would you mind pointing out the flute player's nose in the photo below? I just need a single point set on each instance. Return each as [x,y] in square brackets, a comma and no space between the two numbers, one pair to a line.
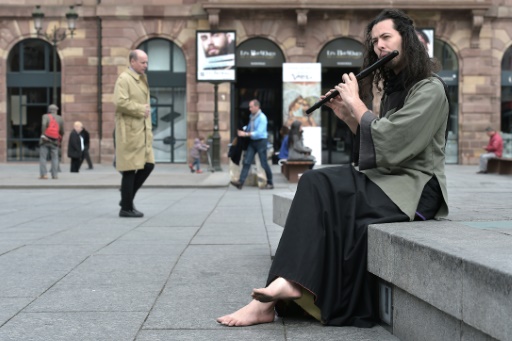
[379,50]
[381,46]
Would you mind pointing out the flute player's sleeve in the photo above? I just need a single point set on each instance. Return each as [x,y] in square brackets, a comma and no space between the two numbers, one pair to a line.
[401,135]
[367,157]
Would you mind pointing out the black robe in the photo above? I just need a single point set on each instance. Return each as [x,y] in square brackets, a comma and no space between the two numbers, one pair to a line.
[324,243]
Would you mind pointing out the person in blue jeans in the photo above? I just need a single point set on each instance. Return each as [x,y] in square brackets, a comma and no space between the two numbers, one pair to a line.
[256,130]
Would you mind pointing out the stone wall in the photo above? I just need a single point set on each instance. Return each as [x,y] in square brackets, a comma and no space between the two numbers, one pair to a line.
[479,38]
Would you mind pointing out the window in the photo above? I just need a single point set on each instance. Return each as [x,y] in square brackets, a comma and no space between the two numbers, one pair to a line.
[167,81]
[29,92]
[450,74]
[506,92]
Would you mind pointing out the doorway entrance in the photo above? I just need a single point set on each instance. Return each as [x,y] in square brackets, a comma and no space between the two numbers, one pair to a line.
[265,85]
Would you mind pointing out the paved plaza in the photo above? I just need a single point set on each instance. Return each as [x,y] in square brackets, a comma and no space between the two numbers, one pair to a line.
[71,269]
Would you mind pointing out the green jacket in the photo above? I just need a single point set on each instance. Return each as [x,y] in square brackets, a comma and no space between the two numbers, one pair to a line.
[402,150]
[134,136]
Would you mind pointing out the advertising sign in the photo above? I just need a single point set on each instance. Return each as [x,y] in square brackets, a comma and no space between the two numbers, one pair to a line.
[259,52]
[215,51]
[302,84]
[426,36]
[342,52]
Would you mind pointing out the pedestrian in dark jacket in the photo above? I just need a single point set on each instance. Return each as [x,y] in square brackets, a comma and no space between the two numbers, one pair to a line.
[76,147]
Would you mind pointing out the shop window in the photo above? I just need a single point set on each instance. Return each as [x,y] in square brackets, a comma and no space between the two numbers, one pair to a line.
[506,102]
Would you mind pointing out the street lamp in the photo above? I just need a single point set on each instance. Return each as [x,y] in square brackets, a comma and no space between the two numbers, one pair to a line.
[57,35]
[216,135]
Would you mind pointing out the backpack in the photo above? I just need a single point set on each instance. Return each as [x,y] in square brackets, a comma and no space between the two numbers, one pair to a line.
[53,129]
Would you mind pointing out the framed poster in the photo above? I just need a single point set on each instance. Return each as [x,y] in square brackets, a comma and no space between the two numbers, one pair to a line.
[215,52]
[426,36]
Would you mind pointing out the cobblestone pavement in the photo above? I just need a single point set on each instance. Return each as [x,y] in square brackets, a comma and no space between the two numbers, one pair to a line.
[71,269]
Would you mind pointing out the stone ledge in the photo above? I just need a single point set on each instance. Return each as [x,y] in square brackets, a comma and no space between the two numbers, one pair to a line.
[281,205]
[463,271]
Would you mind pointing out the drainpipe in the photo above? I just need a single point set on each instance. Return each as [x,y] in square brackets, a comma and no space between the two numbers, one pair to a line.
[99,84]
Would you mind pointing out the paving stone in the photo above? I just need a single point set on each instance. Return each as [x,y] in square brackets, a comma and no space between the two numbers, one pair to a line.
[88,298]
[221,333]
[82,326]
[10,306]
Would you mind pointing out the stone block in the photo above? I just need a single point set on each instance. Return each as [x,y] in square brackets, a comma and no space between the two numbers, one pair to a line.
[400,255]
[415,320]
[487,299]
[463,272]
[281,205]
[380,254]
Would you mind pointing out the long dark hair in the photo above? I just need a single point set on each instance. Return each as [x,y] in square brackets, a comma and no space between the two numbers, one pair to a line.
[294,132]
[417,63]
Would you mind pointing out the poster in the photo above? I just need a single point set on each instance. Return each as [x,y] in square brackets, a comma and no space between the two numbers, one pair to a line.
[426,36]
[215,51]
[301,89]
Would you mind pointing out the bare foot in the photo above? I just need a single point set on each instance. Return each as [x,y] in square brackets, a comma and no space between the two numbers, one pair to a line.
[253,313]
[279,289]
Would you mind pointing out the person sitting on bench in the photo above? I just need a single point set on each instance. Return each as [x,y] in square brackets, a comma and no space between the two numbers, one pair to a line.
[494,149]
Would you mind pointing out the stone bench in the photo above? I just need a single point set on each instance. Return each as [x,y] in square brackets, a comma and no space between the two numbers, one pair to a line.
[499,165]
[291,169]
[439,280]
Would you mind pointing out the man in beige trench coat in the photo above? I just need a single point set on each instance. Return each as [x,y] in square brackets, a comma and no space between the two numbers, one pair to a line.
[134,138]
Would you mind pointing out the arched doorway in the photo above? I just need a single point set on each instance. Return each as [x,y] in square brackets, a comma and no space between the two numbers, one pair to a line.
[167,81]
[506,102]
[259,76]
[450,74]
[339,56]
[30,78]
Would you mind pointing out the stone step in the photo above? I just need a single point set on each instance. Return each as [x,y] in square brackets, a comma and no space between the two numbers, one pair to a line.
[453,276]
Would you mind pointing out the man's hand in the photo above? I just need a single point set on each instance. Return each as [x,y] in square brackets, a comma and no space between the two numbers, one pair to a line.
[349,93]
[147,110]
[338,106]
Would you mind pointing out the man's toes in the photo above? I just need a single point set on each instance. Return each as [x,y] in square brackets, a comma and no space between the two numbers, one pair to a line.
[226,320]
[230,322]
[236,323]
[222,319]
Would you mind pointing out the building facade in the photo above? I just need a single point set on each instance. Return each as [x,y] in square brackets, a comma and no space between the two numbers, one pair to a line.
[471,39]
